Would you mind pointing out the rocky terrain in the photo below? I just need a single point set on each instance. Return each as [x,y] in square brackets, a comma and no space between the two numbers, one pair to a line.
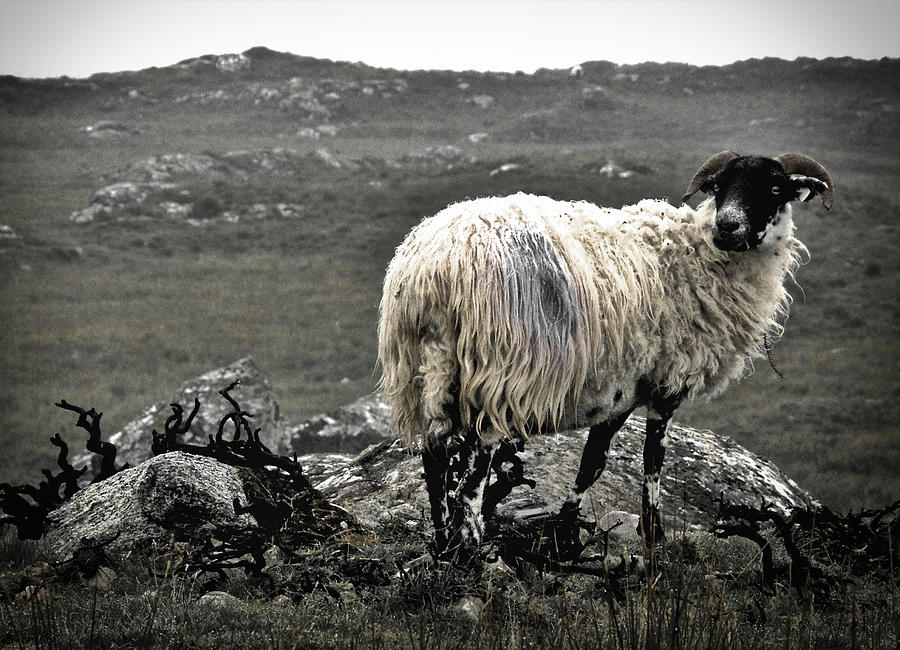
[221,510]
[158,187]
[373,477]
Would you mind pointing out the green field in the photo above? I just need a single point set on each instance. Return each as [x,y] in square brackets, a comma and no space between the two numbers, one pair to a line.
[116,313]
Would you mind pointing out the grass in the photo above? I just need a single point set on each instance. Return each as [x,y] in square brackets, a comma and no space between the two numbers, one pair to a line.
[705,594]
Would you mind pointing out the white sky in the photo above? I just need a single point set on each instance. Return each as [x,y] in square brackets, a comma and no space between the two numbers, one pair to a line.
[48,38]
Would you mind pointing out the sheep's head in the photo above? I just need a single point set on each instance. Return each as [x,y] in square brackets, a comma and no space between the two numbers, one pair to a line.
[750,193]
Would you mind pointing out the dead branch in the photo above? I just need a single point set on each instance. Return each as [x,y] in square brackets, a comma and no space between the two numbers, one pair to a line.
[90,421]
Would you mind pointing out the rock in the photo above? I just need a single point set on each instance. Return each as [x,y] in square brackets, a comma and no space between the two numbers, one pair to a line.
[314,133]
[170,166]
[471,606]
[107,129]
[446,155]
[159,186]
[254,394]
[505,168]
[161,500]
[596,97]
[206,97]
[385,482]
[221,62]
[621,527]
[348,429]
[220,600]
[612,170]
[327,129]
[117,196]
[267,161]
[336,161]
[482,101]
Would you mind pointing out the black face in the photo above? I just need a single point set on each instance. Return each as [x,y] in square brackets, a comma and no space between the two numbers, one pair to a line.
[749,193]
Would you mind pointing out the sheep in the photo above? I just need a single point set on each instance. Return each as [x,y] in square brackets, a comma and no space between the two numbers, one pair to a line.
[503,317]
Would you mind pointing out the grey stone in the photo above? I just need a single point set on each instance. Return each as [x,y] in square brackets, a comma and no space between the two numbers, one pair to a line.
[156,503]
[162,500]
[621,527]
[385,482]
[347,430]
[171,166]
[220,600]
[447,156]
[107,129]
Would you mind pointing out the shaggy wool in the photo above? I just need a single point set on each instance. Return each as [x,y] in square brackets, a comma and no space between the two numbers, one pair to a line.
[518,314]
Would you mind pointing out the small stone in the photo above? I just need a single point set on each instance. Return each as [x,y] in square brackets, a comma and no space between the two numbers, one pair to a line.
[471,606]
[220,600]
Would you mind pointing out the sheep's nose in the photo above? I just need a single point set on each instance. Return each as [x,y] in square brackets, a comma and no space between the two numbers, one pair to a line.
[729,226]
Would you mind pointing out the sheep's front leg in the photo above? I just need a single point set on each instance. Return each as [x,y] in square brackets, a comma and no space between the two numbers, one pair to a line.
[593,462]
[659,419]
[565,527]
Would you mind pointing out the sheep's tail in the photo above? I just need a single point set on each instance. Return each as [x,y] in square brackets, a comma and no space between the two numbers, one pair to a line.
[416,349]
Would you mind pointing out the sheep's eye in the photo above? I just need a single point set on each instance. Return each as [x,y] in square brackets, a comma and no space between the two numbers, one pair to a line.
[715,187]
[776,190]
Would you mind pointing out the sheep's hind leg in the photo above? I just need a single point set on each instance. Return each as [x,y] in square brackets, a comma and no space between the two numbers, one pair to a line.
[659,419]
[437,374]
[456,475]
[436,463]
[510,472]
[470,472]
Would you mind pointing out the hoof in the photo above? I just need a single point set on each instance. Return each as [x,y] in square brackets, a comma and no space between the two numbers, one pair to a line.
[460,555]
[651,534]
[563,532]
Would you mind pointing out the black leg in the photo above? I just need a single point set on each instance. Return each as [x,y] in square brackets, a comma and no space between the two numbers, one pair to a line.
[659,417]
[593,462]
[436,463]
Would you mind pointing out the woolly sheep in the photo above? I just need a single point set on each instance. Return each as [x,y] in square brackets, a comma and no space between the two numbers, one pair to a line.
[505,317]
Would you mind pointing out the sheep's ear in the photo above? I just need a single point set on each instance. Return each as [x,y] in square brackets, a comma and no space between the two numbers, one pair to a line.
[715,164]
[809,175]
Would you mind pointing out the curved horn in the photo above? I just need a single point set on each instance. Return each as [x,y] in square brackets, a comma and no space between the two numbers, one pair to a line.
[710,167]
[797,163]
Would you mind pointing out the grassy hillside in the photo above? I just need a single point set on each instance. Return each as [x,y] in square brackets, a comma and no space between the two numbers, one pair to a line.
[118,310]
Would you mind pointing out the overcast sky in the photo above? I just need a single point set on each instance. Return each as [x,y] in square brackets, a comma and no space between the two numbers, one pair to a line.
[49,38]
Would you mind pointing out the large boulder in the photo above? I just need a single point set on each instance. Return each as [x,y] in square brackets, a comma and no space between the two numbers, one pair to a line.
[162,500]
[347,429]
[384,484]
